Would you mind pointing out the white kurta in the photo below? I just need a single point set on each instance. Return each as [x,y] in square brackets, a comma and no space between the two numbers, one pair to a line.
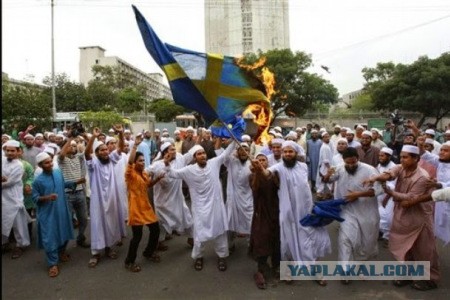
[337,160]
[272,160]
[386,213]
[325,157]
[358,234]
[170,205]
[107,219]
[298,243]
[442,208]
[13,208]
[208,208]
[239,195]
[119,170]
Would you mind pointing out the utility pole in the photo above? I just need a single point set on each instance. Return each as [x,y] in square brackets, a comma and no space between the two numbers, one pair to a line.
[53,69]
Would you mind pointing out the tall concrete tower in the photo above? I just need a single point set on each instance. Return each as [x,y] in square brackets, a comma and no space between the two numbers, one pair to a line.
[236,27]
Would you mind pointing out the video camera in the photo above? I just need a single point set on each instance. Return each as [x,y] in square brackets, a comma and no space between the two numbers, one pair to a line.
[396,118]
[77,129]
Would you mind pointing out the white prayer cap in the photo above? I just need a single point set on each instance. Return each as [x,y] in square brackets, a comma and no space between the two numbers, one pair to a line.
[314,131]
[260,153]
[387,150]
[278,135]
[292,134]
[111,130]
[322,129]
[165,130]
[246,138]
[73,143]
[109,139]
[359,126]
[344,128]
[6,136]
[51,133]
[97,144]
[165,146]
[190,128]
[342,140]
[12,143]
[39,135]
[430,131]
[298,129]
[167,139]
[411,149]
[350,131]
[54,146]
[41,157]
[89,135]
[127,131]
[447,143]
[277,141]
[50,150]
[447,131]
[277,128]
[375,130]
[28,135]
[126,142]
[139,134]
[429,141]
[337,126]
[176,132]
[208,130]
[324,133]
[61,135]
[291,144]
[367,132]
[272,132]
[157,130]
[245,145]
[196,148]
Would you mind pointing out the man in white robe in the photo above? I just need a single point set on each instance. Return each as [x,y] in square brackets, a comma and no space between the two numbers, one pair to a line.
[239,202]
[106,214]
[325,159]
[275,147]
[170,204]
[298,243]
[341,146]
[208,208]
[385,203]
[14,214]
[358,234]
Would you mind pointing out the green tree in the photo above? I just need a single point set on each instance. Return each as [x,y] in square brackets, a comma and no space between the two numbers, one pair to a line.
[101,119]
[165,110]
[23,105]
[69,95]
[296,90]
[422,86]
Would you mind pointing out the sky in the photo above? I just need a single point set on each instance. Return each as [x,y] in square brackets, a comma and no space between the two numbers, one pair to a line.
[343,35]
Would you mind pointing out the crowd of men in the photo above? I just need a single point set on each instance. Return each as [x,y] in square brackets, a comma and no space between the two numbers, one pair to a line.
[216,190]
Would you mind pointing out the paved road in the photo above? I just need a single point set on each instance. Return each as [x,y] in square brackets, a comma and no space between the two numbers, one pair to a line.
[175,277]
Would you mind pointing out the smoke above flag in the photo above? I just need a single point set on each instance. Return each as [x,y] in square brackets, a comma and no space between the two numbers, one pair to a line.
[216,86]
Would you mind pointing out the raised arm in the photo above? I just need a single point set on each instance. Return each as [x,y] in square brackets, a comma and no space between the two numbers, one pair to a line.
[65,149]
[137,141]
[89,148]
[119,129]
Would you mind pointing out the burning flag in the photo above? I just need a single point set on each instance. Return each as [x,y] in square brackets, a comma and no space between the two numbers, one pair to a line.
[216,86]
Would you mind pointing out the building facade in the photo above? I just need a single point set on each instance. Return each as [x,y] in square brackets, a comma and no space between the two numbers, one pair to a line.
[237,27]
[95,55]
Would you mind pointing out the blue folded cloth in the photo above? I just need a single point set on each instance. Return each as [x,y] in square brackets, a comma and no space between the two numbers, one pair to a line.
[323,213]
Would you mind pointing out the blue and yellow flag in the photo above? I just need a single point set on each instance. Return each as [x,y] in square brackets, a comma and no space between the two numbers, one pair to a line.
[211,84]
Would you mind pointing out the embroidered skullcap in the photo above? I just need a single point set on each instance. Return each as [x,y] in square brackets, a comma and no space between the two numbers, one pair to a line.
[41,157]
[387,150]
[410,149]
[277,141]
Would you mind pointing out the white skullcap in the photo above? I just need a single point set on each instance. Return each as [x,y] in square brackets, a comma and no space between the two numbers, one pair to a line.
[350,131]
[111,130]
[277,141]
[176,132]
[165,130]
[387,150]
[39,135]
[324,133]
[278,135]
[375,130]
[41,157]
[447,143]
[430,131]
[189,128]
[12,143]
[5,135]
[272,132]
[127,131]
[367,132]
[322,129]
[337,126]
[246,138]
[208,130]
[298,129]
[73,143]
[51,133]
[157,130]
[61,135]
[277,128]
[344,128]
[261,153]
[314,131]
[50,150]
[429,141]
[54,146]
[359,126]
[165,146]
[291,144]
[126,142]
[28,135]
[97,144]
[109,139]
[342,140]
[244,145]
[194,149]
[292,134]
[411,149]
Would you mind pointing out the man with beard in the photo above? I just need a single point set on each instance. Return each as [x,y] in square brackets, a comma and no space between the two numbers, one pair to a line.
[208,208]
[156,141]
[39,141]
[178,142]
[411,237]
[325,158]
[30,151]
[385,202]
[239,201]
[298,243]
[265,229]
[107,219]
[72,165]
[341,146]
[441,209]
[376,141]
[366,152]
[147,148]
[207,143]
[350,136]
[188,141]
[334,138]
[275,147]
[14,215]
[170,205]
[312,157]
[358,234]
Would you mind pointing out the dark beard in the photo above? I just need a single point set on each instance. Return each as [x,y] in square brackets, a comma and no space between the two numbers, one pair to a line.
[289,163]
[104,161]
[384,164]
[243,160]
[351,171]
[444,161]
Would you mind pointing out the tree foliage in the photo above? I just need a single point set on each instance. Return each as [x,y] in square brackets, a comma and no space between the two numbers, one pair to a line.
[297,90]
[101,119]
[423,86]
[69,95]
[165,110]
